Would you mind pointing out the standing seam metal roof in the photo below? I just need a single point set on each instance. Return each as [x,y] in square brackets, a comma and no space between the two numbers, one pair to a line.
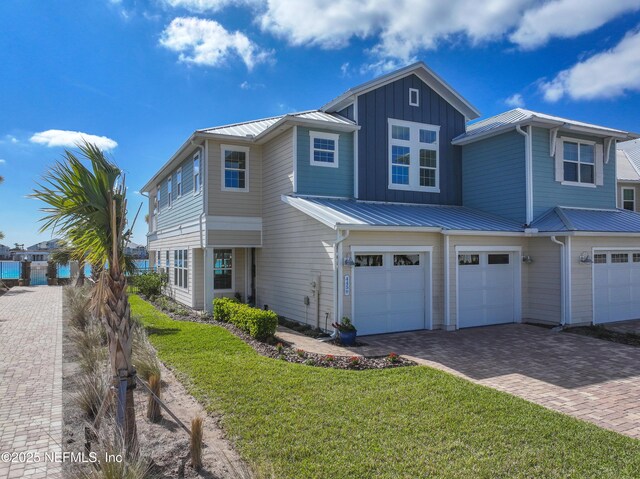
[564,219]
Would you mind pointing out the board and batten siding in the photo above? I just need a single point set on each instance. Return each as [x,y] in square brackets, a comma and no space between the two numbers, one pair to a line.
[392,101]
[295,246]
[234,203]
[185,208]
[493,176]
[193,294]
[395,239]
[541,301]
[324,180]
[549,193]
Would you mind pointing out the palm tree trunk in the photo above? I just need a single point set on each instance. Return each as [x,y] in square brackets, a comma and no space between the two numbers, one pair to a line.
[117,318]
[80,279]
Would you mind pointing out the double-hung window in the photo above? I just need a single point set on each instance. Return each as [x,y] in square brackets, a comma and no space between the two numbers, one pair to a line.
[223,269]
[169,189]
[629,199]
[324,149]
[235,168]
[413,156]
[197,176]
[179,183]
[579,162]
[181,268]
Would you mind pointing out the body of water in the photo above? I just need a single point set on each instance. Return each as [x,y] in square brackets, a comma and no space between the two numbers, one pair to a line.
[11,269]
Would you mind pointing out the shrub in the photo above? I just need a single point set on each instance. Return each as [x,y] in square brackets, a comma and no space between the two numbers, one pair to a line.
[78,301]
[149,284]
[143,355]
[260,324]
[92,389]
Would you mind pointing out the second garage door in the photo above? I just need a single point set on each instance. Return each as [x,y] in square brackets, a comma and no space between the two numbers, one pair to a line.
[616,285]
[487,288]
[390,291]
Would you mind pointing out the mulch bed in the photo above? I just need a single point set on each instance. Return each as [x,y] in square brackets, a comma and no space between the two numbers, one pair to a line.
[280,349]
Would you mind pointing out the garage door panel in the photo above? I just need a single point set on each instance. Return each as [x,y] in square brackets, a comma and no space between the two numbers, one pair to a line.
[616,287]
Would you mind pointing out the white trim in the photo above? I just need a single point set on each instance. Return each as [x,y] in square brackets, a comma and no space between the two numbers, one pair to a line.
[615,248]
[355,151]
[553,134]
[246,151]
[233,271]
[428,296]
[179,183]
[447,285]
[517,275]
[576,183]
[417,92]
[569,308]
[528,160]
[579,162]
[197,156]
[630,188]
[324,136]
[573,139]
[414,146]
[294,154]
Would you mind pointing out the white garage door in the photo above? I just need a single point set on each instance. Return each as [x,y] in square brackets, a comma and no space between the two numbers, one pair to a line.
[390,291]
[487,288]
[616,285]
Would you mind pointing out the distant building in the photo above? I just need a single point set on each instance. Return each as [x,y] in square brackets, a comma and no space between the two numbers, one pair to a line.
[136,251]
[46,245]
[5,252]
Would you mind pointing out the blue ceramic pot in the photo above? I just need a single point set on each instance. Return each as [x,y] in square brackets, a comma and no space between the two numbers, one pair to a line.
[348,338]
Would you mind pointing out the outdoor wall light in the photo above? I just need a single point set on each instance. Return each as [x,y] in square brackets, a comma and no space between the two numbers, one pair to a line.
[585,258]
[527,259]
[348,261]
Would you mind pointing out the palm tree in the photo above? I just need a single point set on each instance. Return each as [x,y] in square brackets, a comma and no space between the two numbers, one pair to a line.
[88,208]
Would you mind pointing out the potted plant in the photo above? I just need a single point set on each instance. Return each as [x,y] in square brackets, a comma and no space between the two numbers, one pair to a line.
[346,331]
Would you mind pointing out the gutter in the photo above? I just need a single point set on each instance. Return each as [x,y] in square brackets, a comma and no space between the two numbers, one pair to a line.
[528,162]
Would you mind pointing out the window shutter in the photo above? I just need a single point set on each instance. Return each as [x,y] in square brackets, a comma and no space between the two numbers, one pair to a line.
[559,160]
[599,165]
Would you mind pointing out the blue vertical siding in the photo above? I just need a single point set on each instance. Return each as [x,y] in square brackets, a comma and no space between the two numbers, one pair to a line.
[320,180]
[185,208]
[548,193]
[392,101]
[493,176]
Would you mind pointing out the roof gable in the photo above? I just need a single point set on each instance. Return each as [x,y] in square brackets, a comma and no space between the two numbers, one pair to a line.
[428,76]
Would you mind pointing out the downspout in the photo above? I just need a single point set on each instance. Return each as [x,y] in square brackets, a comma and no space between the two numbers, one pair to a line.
[337,249]
[528,172]
[563,283]
[447,314]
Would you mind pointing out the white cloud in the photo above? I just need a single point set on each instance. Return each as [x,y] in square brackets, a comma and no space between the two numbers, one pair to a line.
[10,139]
[566,19]
[69,139]
[245,85]
[204,6]
[605,75]
[205,42]
[2,162]
[515,101]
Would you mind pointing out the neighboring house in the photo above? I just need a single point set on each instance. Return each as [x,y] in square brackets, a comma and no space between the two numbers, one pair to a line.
[5,252]
[30,255]
[46,245]
[386,205]
[136,251]
[628,156]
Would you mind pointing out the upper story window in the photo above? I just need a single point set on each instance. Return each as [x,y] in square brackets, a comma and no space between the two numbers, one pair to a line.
[629,199]
[197,176]
[324,149]
[413,156]
[235,168]
[169,189]
[414,97]
[179,183]
[579,162]
[156,203]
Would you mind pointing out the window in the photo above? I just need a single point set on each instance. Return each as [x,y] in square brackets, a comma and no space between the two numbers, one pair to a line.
[235,168]
[169,189]
[156,206]
[406,260]
[197,177]
[468,259]
[619,258]
[181,268]
[629,199]
[179,183]
[600,258]
[579,162]
[636,257]
[223,269]
[413,156]
[363,260]
[324,149]
[498,259]
[414,97]
[166,260]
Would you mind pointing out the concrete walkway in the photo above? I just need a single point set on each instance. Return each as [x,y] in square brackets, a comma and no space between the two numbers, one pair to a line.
[591,379]
[31,380]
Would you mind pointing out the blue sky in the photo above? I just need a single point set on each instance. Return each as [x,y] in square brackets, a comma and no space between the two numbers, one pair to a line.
[141,75]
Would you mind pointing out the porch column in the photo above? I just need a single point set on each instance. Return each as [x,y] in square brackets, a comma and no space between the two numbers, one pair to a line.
[208,279]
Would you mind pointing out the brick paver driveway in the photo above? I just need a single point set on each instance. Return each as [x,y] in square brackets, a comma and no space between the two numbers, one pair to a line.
[31,378]
[592,379]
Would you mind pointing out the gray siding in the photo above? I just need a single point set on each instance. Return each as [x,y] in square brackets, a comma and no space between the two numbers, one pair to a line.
[392,101]
[321,180]
[548,193]
[493,176]
[234,238]
[185,208]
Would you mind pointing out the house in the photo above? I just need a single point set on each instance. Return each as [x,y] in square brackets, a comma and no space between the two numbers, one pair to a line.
[390,206]
[136,251]
[46,245]
[628,160]
[5,252]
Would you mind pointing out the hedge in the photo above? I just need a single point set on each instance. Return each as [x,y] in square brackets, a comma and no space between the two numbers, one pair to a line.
[260,324]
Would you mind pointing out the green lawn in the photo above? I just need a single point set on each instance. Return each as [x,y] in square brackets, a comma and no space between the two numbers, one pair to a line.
[295,421]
